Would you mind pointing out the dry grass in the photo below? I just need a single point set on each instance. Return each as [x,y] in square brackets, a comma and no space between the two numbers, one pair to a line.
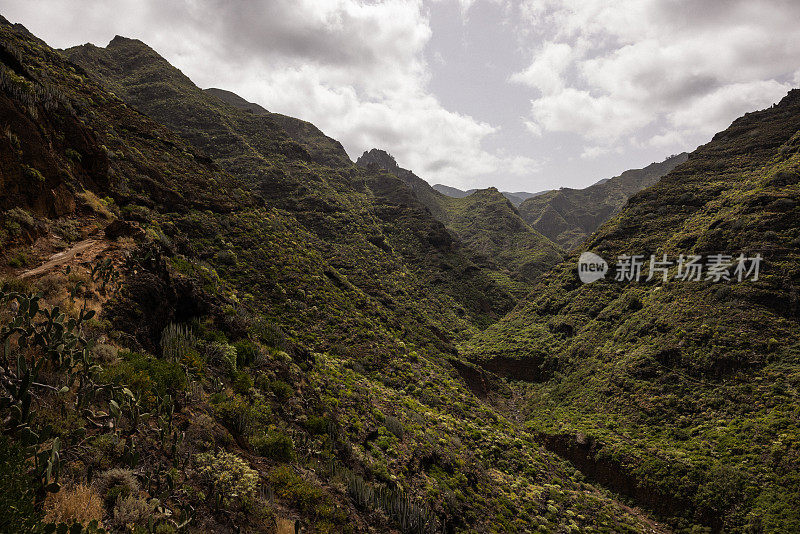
[96,205]
[79,503]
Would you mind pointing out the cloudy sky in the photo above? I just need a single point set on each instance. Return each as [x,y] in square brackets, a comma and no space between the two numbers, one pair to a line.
[519,94]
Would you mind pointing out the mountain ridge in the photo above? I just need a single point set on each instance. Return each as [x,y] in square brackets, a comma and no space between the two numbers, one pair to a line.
[568,216]
[487,222]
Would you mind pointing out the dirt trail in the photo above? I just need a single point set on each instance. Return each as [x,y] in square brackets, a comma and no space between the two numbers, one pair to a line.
[82,251]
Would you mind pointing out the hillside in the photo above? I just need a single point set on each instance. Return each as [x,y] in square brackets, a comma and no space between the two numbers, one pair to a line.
[682,395]
[568,216]
[220,324]
[486,222]
[369,227]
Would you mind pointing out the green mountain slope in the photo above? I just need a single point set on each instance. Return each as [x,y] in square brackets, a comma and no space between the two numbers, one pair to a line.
[485,221]
[367,225]
[569,216]
[682,395]
[294,392]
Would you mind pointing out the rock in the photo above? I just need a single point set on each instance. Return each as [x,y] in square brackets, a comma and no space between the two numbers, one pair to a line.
[120,228]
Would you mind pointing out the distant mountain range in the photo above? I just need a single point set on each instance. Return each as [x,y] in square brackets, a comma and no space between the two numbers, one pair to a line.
[568,216]
[516,198]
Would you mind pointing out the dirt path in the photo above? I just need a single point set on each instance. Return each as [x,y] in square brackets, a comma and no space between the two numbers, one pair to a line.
[81,251]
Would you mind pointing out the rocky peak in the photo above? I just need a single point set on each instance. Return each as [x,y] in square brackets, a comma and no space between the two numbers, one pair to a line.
[378,158]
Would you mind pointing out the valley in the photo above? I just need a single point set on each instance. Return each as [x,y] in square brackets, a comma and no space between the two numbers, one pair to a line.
[212,319]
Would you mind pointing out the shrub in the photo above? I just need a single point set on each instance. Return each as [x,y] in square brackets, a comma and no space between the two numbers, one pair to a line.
[17,511]
[222,353]
[146,375]
[281,389]
[79,503]
[270,334]
[67,229]
[51,284]
[318,425]
[20,217]
[301,493]
[115,483]
[106,448]
[274,445]
[632,302]
[229,475]
[226,257]
[176,342]
[241,416]
[131,511]
[13,229]
[242,382]
[19,260]
[105,353]
[394,426]
[246,352]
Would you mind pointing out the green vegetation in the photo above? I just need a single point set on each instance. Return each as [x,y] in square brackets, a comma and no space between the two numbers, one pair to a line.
[284,336]
[682,388]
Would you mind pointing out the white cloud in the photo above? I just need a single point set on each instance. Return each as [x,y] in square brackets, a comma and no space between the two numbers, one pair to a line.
[680,67]
[713,112]
[599,118]
[595,151]
[356,69]
[547,69]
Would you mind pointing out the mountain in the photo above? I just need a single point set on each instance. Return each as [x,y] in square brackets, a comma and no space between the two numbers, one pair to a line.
[680,394]
[452,191]
[568,216]
[213,321]
[369,227]
[486,222]
[516,198]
